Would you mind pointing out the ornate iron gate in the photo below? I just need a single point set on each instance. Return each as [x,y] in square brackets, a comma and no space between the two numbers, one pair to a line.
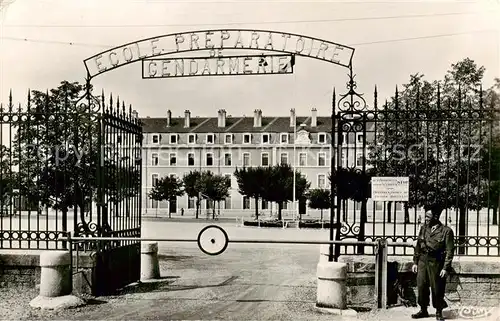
[69,165]
[118,174]
[447,147]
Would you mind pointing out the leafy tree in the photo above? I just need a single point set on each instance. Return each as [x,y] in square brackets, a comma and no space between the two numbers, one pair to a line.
[7,181]
[398,149]
[351,184]
[278,185]
[192,187]
[120,183]
[491,159]
[319,199]
[56,148]
[215,187]
[466,75]
[250,183]
[436,155]
[166,189]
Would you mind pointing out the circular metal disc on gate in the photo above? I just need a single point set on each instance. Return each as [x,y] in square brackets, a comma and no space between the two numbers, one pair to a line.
[212,240]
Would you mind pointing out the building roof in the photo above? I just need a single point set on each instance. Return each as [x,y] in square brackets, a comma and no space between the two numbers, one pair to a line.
[233,125]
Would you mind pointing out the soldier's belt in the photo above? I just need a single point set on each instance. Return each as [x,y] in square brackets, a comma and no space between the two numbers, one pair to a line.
[432,252]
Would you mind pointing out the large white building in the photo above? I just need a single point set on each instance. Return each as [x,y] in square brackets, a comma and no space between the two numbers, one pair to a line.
[175,145]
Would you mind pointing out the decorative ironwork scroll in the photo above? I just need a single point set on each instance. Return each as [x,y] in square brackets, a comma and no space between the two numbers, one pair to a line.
[352,101]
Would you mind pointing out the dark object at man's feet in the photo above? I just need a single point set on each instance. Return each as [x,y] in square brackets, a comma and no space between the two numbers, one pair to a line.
[439,316]
[420,314]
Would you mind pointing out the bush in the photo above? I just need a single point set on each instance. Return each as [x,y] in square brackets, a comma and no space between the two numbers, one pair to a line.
[313,224]
[270,223]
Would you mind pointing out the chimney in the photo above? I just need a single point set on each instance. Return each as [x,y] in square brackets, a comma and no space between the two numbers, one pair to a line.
[314,117]
[292,117]
[222,118]
[257,118]
[169,117]
[187,119]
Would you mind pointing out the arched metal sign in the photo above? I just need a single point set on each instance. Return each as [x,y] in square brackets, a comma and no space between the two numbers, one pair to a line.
[216,40]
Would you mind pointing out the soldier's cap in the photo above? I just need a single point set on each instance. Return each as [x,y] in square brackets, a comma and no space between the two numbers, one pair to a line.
[435,210]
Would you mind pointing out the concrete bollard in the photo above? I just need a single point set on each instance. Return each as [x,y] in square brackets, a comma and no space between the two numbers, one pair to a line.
[56,282]
[55,276]
[150,268]
[332,290]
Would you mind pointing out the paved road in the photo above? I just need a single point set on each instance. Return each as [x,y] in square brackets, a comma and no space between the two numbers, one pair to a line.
[241,284]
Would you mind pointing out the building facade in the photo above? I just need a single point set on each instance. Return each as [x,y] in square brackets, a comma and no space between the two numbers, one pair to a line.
[178,145]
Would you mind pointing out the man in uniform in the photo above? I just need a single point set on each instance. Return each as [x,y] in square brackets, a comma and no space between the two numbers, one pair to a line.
[432,262]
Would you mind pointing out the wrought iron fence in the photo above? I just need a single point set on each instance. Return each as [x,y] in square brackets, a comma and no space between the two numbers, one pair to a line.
[447,144]
[67,160]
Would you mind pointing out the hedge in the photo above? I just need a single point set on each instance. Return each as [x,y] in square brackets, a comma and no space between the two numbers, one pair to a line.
[267,223]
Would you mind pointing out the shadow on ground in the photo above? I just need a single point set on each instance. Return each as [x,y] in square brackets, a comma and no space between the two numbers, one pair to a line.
[93,301]
[163,257]
[149,286]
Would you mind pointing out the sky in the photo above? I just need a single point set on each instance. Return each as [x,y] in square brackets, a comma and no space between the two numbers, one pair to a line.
[44,42]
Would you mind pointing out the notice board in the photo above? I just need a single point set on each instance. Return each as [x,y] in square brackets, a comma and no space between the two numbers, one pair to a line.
[390,188]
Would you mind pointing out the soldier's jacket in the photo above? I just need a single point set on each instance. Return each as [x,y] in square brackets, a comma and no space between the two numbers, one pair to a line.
[438,244]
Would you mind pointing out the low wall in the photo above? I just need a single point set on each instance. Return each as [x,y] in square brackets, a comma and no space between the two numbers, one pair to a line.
[474,281]
[19,270]
[95,274]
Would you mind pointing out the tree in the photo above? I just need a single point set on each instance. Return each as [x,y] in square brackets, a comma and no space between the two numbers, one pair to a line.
[426,134]
[166,189]
[192,187]
[250,183]
[399,149]
[57,149]
[7,181]
[278,185]
[120,183]
[319,199]
[351,184]
[215,187]
[491,159]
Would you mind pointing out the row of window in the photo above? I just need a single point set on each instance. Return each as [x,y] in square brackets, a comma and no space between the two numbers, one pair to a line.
[321,180]
[246,161]
[247,138]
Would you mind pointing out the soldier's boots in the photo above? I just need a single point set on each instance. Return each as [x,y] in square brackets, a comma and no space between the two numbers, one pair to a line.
[420,314]
[439,315]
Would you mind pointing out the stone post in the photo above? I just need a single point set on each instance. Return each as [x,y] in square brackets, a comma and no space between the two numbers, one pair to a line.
[55,282]
[150,268]
[55,276]
[332,290]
